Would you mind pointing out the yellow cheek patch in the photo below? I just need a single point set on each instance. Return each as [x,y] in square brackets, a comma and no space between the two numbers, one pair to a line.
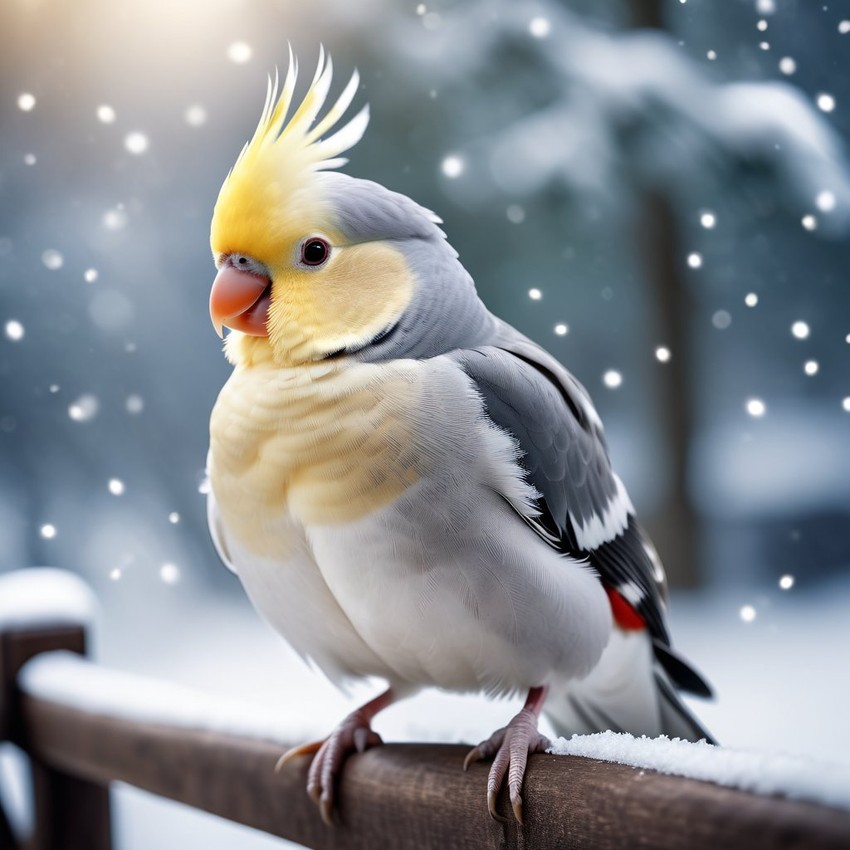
[363,289]
[320,444]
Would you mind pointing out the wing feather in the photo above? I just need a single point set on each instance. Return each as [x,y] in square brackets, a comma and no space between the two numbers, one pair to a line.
[583,505]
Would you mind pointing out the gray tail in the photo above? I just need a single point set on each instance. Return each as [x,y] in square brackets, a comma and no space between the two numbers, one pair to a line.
[677,720]
[630,690]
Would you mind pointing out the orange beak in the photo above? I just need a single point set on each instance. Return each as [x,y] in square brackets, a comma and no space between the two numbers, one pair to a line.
[240,300]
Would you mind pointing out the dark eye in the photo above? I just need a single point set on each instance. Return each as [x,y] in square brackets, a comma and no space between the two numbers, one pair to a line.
[314,252]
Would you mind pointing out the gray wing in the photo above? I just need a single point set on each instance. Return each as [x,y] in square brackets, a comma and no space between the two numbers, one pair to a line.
[585,509]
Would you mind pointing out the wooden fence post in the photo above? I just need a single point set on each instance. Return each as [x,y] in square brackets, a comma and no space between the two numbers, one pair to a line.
[70,813]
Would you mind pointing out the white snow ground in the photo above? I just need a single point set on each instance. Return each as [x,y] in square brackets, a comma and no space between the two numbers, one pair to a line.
[782,681]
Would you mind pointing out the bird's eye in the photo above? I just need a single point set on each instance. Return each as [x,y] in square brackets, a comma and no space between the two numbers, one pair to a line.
[314,252]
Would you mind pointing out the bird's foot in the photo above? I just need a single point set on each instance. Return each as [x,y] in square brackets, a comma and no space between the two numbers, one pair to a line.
[353,735]
[509,747]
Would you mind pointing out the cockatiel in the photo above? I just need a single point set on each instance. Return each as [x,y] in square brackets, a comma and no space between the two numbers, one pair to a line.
[406,486]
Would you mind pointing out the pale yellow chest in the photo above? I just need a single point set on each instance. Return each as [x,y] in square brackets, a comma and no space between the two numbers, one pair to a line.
[317,444]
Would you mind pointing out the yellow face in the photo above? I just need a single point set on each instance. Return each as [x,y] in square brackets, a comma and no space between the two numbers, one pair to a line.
[358,292]
[321,294]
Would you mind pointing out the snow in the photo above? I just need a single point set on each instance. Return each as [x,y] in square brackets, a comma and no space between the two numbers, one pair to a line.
[42,597]
[136,142]
[776,680]
[746,473]
[748,770]
[84,409]
[52,259]
[69,679]
[15,331]
[681,120]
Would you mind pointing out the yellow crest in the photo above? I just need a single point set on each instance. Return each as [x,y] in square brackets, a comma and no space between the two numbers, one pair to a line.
[268,194]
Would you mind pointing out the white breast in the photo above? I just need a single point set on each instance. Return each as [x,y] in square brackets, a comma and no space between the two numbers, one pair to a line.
[443,584]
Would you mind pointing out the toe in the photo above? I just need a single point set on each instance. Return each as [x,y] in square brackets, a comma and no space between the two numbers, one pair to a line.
[472,756]
[302,750]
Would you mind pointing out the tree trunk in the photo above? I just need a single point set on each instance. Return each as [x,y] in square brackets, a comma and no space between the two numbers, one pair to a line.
[675,528]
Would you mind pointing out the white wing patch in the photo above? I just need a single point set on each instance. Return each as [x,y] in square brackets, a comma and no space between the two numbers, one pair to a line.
[631,593]
[603,529]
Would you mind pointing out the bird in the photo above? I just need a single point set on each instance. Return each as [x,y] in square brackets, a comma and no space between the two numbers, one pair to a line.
[406,486]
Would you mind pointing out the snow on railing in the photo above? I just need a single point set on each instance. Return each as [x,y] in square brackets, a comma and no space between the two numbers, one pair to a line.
[84,726]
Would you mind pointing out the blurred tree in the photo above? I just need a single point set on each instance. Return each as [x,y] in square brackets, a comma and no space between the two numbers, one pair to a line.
[675,526]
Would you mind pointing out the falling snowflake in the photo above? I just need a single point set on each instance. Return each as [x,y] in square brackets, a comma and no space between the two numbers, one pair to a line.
[105,114]
[136,142]
[845,403]
[811,367]
[844,27]
[562,329]
[47,531]
[756,407]
[708,219]
[825,102]
[825,201]
[747,613]
[134,404]
[169,573]
[662,354]
[787,65]
[721,319]
[452,166]
[695,260]
[115,573]
[516,214]
[52,259]
[174,517]
[751,299]
[612,379]
[786,582]
[14,330]
[116,218]
[196,116]
[90,275]
[116,486]
[800,330]
[84,409]
[26,102]
[535,294]
[239,53]
[809,222]
[539,27]
[30,159]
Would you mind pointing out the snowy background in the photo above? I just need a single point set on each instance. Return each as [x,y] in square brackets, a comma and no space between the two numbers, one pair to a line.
[541,132]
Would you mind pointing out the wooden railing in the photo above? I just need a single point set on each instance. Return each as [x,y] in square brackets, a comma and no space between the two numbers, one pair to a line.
[395,796]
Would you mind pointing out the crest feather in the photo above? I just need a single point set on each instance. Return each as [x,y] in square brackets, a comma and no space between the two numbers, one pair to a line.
[277,163]
[275,135]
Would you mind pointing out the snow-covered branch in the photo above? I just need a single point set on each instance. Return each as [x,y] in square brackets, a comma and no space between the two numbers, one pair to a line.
[629,106]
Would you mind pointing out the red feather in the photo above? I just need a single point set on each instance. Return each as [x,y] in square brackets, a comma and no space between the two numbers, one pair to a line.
[625,616]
